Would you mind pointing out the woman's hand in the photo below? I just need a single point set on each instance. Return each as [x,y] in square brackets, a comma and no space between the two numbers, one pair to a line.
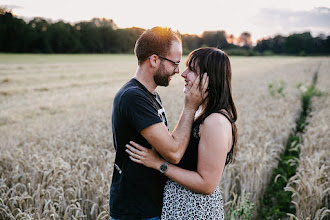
[147,157]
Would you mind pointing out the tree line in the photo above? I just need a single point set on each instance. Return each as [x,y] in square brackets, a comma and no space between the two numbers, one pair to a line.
[100,35]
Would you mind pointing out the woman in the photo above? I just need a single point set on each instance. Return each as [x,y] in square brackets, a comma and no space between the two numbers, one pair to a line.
[192,191]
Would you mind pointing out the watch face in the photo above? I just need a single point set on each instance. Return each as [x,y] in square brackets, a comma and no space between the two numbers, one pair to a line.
[163,167]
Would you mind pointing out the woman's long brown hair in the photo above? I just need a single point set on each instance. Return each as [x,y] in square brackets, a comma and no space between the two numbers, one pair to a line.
[216,64]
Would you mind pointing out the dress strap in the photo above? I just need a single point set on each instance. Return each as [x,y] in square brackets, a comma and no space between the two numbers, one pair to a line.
[224,113]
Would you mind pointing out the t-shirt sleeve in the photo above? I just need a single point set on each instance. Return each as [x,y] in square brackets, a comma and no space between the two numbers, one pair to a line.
[139,109]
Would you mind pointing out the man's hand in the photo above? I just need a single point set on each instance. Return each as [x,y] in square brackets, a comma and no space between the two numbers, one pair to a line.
[171,146]
[195,95]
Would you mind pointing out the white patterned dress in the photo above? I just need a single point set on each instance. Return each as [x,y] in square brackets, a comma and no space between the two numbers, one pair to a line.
[181,203]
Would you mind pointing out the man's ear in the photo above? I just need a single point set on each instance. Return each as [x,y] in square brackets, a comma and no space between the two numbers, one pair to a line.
[153,60]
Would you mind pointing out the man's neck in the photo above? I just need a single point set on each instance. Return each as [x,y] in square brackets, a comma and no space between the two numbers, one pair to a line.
[146,79]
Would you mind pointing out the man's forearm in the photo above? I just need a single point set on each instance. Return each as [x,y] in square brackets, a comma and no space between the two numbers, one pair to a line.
[172,146]
[193,99]
[182,131]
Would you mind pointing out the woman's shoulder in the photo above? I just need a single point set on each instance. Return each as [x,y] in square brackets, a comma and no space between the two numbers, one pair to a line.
[217,128]
[216,121]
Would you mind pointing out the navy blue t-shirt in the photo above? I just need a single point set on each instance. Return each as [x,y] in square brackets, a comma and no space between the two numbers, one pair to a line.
[136,191]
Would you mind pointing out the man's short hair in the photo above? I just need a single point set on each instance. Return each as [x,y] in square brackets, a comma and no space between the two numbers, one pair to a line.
[157,40]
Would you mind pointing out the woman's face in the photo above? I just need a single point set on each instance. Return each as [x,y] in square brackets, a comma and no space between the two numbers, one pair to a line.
[189,77]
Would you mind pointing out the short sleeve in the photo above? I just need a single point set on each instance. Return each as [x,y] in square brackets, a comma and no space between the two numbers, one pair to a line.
[139,109]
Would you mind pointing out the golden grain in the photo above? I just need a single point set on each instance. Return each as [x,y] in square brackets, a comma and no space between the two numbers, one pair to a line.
[57,155]
[311,184]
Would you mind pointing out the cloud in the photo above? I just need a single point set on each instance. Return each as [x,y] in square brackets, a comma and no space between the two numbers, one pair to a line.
[285,20]
[10,7]
[269,22]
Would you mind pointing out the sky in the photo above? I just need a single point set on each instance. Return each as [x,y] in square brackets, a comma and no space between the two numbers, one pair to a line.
[261,18]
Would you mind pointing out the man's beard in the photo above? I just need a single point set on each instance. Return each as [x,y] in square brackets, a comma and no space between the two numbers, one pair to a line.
[161,77]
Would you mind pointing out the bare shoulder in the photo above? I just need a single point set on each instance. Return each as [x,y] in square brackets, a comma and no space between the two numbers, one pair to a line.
[216,131]
[216,121]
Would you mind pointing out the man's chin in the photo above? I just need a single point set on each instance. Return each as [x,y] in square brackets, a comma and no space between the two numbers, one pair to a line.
[164,84]
[167,83]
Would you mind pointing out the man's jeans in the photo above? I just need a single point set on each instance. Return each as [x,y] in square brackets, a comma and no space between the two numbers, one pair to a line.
[154,218]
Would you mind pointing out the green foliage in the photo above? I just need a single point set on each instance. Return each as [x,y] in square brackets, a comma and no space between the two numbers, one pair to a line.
[215,39]
[268,53]
[190,43]
[276,202]
[301,44]
[306,97]
[100,35]
[241,209]
[240,52]
[277,88]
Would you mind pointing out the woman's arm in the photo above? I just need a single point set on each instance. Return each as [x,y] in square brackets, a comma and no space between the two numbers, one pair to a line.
[215,142]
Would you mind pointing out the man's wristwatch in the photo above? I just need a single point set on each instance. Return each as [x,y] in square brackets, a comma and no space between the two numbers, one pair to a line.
[163,167]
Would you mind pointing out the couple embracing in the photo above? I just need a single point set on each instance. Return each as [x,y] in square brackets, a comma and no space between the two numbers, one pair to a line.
[163,175]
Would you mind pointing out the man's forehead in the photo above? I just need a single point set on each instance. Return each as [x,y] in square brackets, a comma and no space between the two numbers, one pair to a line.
[176,50]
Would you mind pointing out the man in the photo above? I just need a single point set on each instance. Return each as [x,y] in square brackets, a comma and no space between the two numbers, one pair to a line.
[138,115]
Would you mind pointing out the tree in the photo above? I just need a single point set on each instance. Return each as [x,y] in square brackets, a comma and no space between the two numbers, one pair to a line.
[326,45]
[89,37]
[64,38]
[39,36]
[127,38]
[278,44]
[190,43]
[15,34]
[101,35]
[215,39]
[231,39]
[245,40]
[299,43]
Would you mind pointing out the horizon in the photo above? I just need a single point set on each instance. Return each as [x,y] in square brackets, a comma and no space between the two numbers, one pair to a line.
[261,19]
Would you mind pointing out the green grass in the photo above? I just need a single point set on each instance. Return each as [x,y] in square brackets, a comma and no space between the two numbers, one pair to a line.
[276,202]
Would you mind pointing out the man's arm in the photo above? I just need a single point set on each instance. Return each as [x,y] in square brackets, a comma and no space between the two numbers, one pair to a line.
[215,142]
[171,146]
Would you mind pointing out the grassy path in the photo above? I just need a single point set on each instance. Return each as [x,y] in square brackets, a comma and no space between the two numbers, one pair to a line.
[276,202]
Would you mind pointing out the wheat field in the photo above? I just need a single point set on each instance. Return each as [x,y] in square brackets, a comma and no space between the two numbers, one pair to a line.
[311,184]
[57,155]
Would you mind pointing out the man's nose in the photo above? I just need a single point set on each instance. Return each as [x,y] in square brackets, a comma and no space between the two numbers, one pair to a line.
[177,69]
